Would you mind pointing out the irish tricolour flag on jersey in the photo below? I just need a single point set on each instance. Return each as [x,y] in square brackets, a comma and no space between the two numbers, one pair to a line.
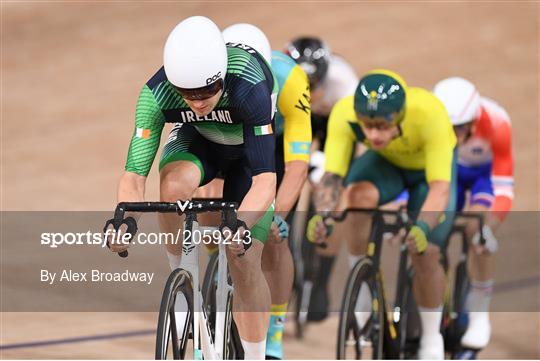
[142,133]
[263,129]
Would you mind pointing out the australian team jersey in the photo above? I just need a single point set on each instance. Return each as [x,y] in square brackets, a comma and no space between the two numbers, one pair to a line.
[491,142]
[426,140]
[243,115]
[293,117]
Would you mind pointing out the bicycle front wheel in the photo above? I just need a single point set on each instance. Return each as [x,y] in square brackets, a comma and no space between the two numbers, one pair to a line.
[172,337]
[361,329]
[232,347]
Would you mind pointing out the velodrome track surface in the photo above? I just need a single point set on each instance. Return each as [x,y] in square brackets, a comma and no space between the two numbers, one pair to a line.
[71,73]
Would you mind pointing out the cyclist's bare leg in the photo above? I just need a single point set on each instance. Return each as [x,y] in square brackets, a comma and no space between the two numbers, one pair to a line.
[214,189]
[480,265]
[340,230]
[357,226]
[251,296]
[429,281]
[278,268]
[178,180]
[480,268]
[428,290]
[356,229]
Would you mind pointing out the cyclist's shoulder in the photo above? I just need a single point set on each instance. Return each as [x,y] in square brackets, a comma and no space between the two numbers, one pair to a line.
[160,92]
[494,111]
[423,106]
[157,80]
[344,107]
[246,66]
[283,60]
[421,96]
[248,77]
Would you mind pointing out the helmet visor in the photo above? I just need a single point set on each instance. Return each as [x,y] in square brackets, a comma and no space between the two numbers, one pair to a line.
[201,93]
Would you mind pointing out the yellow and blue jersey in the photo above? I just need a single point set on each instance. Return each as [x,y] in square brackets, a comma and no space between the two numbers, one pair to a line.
[293,117]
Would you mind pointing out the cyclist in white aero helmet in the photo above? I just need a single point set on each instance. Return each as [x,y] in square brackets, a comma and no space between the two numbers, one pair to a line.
[221,100]
[486,173]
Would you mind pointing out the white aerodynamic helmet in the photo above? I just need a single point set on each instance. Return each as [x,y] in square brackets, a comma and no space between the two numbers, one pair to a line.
[461,99]
[195,55]
[249,35]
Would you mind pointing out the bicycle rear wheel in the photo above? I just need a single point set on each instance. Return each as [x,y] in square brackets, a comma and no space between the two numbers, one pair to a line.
[361,341]
[168,337]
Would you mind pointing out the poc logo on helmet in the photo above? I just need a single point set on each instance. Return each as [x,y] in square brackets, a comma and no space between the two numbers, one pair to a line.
[213,78]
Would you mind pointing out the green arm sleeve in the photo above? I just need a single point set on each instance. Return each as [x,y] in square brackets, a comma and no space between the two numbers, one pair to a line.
[149,122]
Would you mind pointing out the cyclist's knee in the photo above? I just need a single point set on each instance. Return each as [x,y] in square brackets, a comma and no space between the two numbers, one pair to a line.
[428,262]
[178,181]
[247,269]
[276,244]
[362,195]
[214,189]
[274,250]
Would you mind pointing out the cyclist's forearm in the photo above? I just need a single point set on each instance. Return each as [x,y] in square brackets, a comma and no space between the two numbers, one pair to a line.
[291,185]
[131,189]
[258,199]
[327,192]
[435,203]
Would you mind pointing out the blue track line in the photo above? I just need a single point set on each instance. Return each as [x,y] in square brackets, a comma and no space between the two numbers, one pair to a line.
[78,339]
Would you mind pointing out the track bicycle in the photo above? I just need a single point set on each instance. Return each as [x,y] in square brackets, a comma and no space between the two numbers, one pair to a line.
[209,340]
[454,321]
[390,332]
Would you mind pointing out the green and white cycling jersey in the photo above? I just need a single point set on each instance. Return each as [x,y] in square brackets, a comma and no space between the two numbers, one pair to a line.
[243,117]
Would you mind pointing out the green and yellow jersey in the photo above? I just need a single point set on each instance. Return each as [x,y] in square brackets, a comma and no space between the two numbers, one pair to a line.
[426,139]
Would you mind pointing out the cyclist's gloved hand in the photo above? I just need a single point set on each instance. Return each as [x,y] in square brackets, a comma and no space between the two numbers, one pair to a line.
[237,237]
[283,226]
[317,229]
[491,243]
[418,236]
[118,234]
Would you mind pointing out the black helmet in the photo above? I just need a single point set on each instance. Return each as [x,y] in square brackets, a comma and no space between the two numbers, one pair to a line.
[312,55]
